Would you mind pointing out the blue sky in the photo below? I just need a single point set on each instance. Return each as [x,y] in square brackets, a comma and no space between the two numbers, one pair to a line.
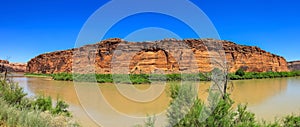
[31,27]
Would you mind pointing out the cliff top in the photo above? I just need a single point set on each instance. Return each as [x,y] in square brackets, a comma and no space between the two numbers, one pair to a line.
[294,62]
[4,62]
[191,42]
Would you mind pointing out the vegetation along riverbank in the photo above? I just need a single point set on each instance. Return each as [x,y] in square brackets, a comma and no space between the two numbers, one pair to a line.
[17,110]
[147,78]
[222,115]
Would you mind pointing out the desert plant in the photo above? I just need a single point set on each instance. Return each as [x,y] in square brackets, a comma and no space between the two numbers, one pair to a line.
[291,121]
[11,92]
[11,116]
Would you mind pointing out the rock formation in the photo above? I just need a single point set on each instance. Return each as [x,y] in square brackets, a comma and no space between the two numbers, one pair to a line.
[294,65]
[12,67]
[165,56]
[4,62]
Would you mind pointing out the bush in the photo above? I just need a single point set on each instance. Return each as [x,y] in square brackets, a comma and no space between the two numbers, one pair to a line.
[240,72]
[61,108]
[11,116]
[223,114]
[183,99]
[43,103]
[11,92]
[291,121]
[147,78]
[17,110]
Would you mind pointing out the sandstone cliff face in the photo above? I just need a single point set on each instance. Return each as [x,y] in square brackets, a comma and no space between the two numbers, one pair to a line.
[48,63]
[165,56]
[253,59]
[294,65]
[12,67]
[4,62]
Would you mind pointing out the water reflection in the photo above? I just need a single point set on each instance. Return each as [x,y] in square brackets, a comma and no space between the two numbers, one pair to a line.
[255,92]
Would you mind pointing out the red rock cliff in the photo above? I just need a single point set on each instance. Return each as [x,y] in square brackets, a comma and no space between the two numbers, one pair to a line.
[13,67]
[294,65]
[161,55]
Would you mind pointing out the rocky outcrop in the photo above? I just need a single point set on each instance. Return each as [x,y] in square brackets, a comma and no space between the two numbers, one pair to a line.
[12,67]
[4,62]
[48,63]
[253,59]
[165,56]
[294,65]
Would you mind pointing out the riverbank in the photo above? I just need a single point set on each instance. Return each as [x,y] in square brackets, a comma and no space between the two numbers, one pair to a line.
[18,110]
[223,114]
[37,75]
[147,78]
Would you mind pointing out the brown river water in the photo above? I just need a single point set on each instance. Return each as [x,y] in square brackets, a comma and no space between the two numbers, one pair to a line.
[267,98]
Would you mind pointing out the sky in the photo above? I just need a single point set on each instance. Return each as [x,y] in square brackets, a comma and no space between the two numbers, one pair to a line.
[32,27]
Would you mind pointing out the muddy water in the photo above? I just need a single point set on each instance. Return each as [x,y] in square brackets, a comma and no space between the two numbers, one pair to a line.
[267,98]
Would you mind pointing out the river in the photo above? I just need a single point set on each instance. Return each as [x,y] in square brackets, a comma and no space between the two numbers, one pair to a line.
[267,98]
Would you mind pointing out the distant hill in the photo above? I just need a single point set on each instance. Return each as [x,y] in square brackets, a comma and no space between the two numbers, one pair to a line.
[12,67]
[294,65]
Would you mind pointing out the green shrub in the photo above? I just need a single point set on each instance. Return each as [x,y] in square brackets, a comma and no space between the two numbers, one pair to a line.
[181,114]
[147,78]
[234,77]
[37,75]
[14,95]
[183,99]
[291,121]
[11,92]
[43,103]
[61,108]
[240,72]
[12,116]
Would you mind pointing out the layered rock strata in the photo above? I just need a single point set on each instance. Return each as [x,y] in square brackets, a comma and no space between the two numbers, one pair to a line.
[165,56]
[12,67]
[294,65]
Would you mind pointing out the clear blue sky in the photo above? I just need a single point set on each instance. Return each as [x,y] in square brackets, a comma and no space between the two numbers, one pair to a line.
[31,27]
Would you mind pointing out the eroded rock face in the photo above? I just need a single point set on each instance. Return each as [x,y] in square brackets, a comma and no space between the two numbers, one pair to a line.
[48,63]
[12,67]
[4,62]
[294,65]
[165,56]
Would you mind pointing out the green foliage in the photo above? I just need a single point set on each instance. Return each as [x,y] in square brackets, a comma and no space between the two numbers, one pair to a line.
[174,90]
[262,75]
[183,99]
[26,112]
[139,78]
[104,78]
[150,121]
[180,114]
[173,77]
[291,121]
[234,77]
[222,115]
[61,108]
[37,75]
[147,78]
[11,92]
[43,103]
[244,117]
[62,76]
[240,72]
[12,116]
